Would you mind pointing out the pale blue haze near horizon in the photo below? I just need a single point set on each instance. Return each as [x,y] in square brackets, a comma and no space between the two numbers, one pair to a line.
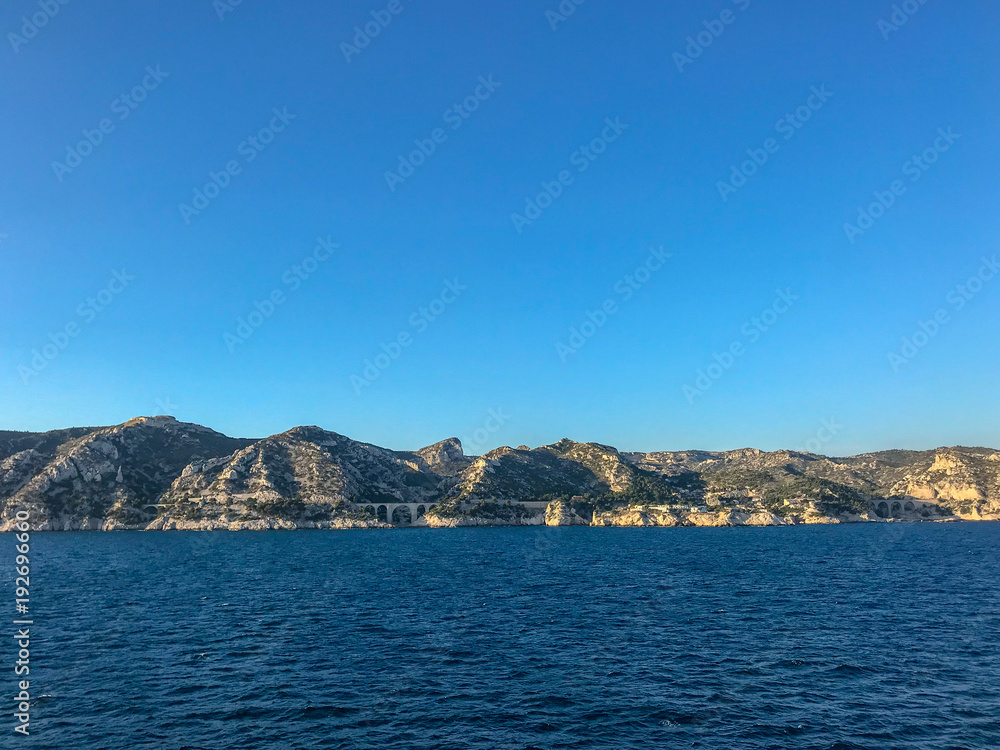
[160,347]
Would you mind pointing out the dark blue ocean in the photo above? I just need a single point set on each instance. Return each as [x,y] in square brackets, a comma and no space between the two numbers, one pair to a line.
[826,637]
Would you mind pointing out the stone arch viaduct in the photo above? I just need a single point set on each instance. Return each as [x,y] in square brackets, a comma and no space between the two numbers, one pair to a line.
[894,508]
[400,514]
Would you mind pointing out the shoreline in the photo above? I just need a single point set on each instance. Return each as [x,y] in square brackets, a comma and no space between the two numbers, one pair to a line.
[291,527]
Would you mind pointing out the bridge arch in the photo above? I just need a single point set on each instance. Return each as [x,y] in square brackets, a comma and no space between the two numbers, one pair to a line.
[398,514]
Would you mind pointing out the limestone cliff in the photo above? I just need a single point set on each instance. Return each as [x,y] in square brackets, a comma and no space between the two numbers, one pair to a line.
[559,513]
[966,482]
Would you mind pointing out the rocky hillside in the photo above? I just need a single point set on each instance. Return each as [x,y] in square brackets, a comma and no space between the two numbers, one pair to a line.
[98,477]
[948,481]
[158,473]
[306,477]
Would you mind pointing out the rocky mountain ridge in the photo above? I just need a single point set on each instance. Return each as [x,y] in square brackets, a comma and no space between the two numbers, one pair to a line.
[158,473]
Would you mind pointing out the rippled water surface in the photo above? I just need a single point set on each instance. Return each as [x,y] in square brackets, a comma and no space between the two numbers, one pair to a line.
[838,637]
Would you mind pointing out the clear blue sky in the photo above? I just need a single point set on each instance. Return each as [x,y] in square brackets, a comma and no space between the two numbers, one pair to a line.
[161,346]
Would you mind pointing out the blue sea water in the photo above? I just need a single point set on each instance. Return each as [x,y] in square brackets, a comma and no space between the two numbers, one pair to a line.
[827,637]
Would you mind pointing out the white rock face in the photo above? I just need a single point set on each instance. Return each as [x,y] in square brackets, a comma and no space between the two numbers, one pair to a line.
[223,524]
[765,518]
[636,517]
[558,513]
[435,522]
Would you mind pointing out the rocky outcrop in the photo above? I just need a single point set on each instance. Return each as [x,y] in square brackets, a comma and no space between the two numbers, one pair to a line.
[445,457]
[668,517]
[260,524]
[460,521]
[628,516]
[559,513]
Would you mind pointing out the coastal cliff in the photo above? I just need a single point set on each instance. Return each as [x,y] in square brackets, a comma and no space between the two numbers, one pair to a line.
[157,473]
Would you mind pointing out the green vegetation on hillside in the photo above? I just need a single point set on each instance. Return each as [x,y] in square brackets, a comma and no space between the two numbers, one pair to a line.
[831,497]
